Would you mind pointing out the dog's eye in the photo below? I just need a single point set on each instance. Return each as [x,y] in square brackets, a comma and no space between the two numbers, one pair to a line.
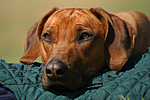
[47,37]
[84,36]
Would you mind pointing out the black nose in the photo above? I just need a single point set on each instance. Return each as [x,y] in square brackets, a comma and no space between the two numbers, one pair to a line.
[55,69]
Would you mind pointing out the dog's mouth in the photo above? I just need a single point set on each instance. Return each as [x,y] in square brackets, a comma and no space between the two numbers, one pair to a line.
[69,83]
[60,84]
[58,87]
[58,76]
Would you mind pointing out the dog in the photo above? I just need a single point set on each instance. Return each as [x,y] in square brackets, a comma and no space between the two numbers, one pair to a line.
[76,43]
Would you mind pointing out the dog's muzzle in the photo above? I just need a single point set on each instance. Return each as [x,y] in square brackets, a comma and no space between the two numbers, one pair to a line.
[57,75]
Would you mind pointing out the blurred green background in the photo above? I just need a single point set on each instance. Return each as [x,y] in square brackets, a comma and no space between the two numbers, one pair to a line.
[17,16]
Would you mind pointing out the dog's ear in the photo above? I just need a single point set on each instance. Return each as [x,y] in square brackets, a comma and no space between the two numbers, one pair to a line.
[43,21]
[119,38]
[32,47]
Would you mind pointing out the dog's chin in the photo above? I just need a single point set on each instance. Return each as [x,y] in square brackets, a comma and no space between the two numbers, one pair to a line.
[64,84]
[58,87]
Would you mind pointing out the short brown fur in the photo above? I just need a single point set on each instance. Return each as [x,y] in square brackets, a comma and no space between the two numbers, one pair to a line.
[116,36]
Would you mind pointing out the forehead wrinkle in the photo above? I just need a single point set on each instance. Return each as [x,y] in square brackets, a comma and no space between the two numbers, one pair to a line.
[73,20]
[67,24]
[59,19]
[57,15]
[88,18]
[82,17]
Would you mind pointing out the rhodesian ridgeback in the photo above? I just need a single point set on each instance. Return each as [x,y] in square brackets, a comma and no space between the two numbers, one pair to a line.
[75,43]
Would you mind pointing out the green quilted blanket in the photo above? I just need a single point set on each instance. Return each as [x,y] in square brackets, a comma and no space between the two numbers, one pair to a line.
[132,82]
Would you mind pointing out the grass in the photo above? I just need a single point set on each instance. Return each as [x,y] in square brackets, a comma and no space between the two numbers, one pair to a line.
[123,98]
[17,16]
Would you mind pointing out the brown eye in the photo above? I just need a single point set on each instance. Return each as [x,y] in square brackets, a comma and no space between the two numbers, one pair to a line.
[47,37]
[84,36]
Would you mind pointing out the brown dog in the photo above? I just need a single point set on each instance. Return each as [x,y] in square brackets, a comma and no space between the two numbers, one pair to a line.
[77,43]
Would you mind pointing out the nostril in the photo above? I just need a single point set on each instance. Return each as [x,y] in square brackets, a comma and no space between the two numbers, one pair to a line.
[59,72]
[48,72]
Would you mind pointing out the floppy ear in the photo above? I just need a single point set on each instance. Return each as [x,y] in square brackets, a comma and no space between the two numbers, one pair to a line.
[119,38]
[32,48]
[43,20]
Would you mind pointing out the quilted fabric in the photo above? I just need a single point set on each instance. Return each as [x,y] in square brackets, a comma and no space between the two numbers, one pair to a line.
[132,82]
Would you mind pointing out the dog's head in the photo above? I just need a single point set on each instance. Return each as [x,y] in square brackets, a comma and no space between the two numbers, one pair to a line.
[74,44]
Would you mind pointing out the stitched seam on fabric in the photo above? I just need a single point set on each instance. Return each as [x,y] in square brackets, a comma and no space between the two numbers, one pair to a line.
[41,91]
[110,91]
[12,77]
[131,89]
[142,77]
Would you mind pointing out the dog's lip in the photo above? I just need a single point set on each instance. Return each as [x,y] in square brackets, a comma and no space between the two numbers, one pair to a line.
[58,86]
[71,81]
[62,84]
[71,84]
[63,81]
